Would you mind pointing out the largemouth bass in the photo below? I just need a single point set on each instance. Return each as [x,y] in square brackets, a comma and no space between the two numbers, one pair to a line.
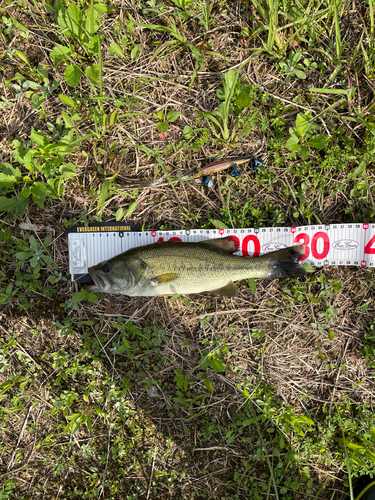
[182,268]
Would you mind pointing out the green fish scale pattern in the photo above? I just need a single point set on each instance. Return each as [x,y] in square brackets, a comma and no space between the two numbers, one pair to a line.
[197,267]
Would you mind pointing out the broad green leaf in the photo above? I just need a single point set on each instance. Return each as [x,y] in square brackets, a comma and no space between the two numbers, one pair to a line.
[21,204]
[68,170]
[76,425]
[252,285]
[131,209]
[318,141]
[22,56]
[113,118]
[95,42]
[196,146]
[34,261]
[68,101]
[183,4]
[243,100]
[188,132]
[205,362]
[34,86]
[7,204]
[36,100]
[300,74]
[116,50]
[137,49]
[26,191]
[304,152]
[68,121]
[218,224]
[5,386]
[60,53]
[124,340]
[47,241]
[73,416]
[56,187]
[33,243]
[172,116]
[296,57]
[73,75]
[22,256]
[7,180]
[91,21]
[120,349]
[18,25]
[304,124]
[231,438]
[208,385]
[69,21]
[103,9]
[230,81]
[8,169]
[3,298]
[119,214]
[88,423]
[217,365]
[293,144]
[38,137]
[220,94]
[39,192]
[92,298]
[92,73]
[162,126]
[78,297]
[361,185]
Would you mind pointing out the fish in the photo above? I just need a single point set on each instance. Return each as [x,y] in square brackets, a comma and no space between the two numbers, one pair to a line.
[172,267]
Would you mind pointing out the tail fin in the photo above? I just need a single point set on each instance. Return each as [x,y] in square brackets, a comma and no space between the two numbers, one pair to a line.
[285,263]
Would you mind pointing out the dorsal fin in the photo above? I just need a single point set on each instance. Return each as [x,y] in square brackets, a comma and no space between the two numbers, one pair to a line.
[230,244]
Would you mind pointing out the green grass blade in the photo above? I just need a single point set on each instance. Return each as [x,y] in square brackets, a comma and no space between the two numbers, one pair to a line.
[337,29]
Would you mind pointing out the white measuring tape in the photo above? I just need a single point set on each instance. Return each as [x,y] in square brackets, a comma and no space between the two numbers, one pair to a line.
[333,245]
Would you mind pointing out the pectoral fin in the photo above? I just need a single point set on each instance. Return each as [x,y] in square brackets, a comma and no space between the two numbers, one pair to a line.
[229,290]
[230,244]
[164,278]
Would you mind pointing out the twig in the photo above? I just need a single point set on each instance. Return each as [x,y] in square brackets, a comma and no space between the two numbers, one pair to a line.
[221,313]
[152,472]
[19,437]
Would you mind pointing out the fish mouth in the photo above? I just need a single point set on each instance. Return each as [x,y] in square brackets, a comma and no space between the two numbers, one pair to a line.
[101,282]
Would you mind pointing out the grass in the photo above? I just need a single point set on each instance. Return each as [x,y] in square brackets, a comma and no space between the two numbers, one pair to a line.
[268,395]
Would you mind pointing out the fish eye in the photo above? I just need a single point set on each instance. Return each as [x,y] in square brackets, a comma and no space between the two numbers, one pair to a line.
[106,268]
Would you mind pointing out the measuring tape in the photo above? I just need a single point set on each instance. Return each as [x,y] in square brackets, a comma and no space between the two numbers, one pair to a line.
[325,245]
